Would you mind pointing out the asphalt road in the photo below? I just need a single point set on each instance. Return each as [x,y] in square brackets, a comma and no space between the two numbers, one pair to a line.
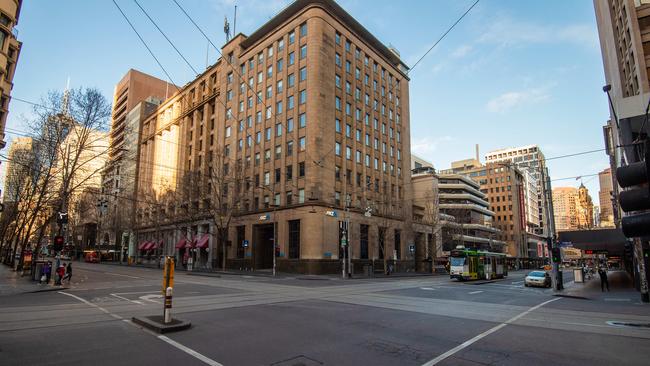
[304,320]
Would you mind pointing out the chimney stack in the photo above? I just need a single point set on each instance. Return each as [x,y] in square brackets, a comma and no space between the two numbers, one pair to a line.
[477,158]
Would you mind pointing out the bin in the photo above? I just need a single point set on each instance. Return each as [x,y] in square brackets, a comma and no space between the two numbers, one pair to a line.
[578,275]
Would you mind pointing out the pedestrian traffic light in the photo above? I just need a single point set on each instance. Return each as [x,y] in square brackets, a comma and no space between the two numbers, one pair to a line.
[556,255]
[635,176]
[58,243]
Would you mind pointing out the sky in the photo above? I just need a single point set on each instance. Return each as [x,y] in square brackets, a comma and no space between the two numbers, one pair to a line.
[511,73]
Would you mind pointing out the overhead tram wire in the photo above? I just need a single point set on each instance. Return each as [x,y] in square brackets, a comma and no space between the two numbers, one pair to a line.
[167,38]
[443,35]
[146,45]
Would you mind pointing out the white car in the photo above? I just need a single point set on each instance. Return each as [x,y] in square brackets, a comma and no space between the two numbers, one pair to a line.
[538,278]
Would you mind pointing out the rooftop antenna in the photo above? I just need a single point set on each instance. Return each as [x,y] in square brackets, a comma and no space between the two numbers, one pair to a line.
[226,28]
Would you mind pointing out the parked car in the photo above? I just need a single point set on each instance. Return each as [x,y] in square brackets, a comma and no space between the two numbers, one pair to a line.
[538,278]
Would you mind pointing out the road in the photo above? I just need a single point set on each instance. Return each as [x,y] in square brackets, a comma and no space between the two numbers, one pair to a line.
[307,320]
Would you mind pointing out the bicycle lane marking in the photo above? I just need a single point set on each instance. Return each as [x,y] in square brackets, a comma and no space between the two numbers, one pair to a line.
[161,337]
[468,343]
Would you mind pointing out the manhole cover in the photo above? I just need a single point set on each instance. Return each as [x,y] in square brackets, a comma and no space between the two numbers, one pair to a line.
[298,361]
[627,324]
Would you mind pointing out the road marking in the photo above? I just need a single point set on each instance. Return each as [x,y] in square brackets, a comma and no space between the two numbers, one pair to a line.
[124,298]
[122,275]
[468,343]
[189,351]
[427,288]
[150,297]
[514,282]
[163,338]
[475,292]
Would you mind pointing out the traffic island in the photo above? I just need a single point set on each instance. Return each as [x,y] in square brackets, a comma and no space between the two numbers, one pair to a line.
[157,324]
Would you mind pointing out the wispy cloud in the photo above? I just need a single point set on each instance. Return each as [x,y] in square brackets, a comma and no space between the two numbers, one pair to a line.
[461,51]
[510,100]
[426,145]
[506,31]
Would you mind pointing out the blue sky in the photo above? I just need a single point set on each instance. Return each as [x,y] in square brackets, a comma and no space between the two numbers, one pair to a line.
[511,73]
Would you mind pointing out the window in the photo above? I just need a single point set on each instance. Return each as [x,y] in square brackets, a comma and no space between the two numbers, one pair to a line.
[228,131]
[281,45]
[348,109]
[289,172]
[303,52]
[229,78]
[258,117]
[269,91]
[260,77]
[268,112]
[367,160]
[270,51]
[302,120]
[292,37]
[228,113]
[290,125]
[257,159]
[358,135]
[363,241]
[347,45]
[279,107]
[337,198]
[292,58]
[348,152]
[289,148]
[278,176]
[358,156]
[290,102]
[302,97]
[280,65]
[267,155]
[267,134]
[337,38]
[228,95]
[267,178]
[357,53]
[301,144]
[338,60]
[338,103]
[301,195]
[294,233]
[301,169]
[348,130]
[279,86]
[278,129]
[303,74]
[303,29]
[337,173]
[357,94]
[348,66]
[337,123]
[338,81]
[357,73]
[337,149]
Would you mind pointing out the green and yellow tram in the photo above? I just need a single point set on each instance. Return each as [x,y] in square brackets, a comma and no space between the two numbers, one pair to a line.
[471,264]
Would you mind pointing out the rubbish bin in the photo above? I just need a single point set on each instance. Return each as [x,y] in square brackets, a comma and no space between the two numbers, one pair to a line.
[578,275]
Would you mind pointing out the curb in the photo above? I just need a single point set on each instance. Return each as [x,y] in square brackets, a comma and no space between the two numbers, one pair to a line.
[153,323]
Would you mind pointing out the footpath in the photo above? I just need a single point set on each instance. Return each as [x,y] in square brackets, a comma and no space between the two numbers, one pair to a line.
[621,289]
[13,283]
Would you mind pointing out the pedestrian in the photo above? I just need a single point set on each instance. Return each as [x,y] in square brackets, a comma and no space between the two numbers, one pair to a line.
[68,273]
[602,272]
[47,271]
[60,272]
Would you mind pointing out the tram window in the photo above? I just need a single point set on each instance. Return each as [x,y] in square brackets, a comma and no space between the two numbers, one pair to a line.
[457,261]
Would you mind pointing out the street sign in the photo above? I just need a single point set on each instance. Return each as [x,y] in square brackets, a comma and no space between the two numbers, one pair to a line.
[265,217]
[245,244]
[331,213]
[412,248]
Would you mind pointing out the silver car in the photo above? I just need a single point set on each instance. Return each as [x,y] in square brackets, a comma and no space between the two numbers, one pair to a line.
[537,278]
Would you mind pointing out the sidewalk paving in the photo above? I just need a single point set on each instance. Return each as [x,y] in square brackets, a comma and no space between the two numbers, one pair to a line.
[13,283]
[621,289]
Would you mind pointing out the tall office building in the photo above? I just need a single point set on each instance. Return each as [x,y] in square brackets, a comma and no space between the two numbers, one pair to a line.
[605,198]
[9,51]
[136,96]
[306,116]
[573,207]
[531,159]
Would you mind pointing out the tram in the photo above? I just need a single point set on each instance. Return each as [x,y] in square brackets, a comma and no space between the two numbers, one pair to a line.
[471,264]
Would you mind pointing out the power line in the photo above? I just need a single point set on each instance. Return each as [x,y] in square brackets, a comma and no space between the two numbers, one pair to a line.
[164,35]
[575,177]
[146,46]
[443,35]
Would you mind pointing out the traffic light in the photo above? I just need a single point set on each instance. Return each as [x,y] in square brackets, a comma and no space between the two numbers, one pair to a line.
[629,250]
[556,255]
[636,175]
[58,243]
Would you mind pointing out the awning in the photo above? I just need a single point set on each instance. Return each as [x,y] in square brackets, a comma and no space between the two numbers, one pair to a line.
[181,243]
[153,245]
[148,246]
[203,242]
[143,245]
[190,244]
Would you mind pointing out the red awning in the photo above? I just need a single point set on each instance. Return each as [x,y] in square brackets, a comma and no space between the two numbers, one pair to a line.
[181,243]
[143,245]
[149,246]
[190,244]
[203,242]
[153,245]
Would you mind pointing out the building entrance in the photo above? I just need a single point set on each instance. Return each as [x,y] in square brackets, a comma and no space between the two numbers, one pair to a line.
[263,246]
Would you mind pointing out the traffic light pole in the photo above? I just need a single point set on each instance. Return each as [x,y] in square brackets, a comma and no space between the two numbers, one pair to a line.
[643,279]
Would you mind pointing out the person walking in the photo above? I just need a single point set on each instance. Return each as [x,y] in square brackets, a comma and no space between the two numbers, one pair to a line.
[602,272]
[47,271]
[60,272]
[68,273]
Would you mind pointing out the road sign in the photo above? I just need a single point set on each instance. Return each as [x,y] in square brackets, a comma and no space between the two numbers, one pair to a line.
[245,244]
[331,213]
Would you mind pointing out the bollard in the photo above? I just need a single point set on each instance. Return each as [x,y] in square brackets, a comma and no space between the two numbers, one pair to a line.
[167,312]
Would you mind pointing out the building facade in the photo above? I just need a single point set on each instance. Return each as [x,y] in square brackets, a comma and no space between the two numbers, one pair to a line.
[9,52]
[574,209]
[532,159]
[605,197]
[21,152]
[300,127]
[135,97]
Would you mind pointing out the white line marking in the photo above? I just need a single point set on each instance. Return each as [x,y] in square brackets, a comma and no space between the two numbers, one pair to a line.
[163,338]
[427,288]
[514,282]
[465,344]
[475,292]
[189,351]
[149,298]
[122,275]
[129,300]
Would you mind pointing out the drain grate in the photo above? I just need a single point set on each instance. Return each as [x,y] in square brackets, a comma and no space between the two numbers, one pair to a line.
[626,324]
[298,361]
